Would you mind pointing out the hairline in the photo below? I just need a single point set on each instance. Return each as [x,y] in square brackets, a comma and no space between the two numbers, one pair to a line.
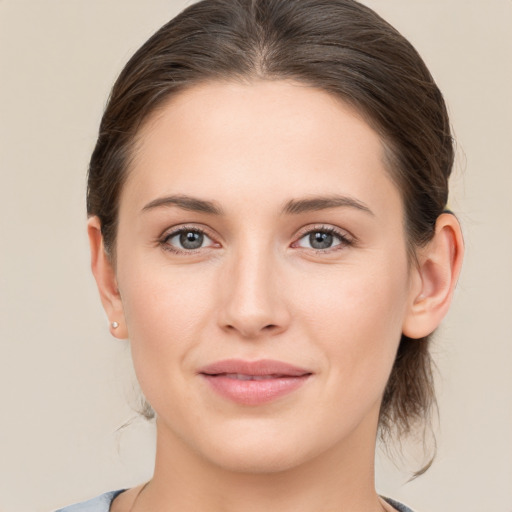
[135,140]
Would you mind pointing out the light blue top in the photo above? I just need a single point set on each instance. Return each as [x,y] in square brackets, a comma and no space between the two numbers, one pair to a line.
[99,504]
[102,504]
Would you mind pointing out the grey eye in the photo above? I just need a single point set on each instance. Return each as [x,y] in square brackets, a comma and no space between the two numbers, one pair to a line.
[188,240]
[191,240]
[321,239]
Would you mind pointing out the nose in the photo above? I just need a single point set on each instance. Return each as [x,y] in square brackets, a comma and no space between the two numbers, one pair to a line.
[252,302]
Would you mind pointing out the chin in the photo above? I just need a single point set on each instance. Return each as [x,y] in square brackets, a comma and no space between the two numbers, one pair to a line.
[260,460]
[258,450]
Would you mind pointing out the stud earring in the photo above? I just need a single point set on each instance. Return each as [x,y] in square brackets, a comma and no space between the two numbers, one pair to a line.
[114,325]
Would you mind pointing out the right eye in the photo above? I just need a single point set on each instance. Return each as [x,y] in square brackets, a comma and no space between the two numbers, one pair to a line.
[186,240]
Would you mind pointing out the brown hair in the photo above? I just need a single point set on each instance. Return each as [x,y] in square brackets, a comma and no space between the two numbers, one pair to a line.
[339,46]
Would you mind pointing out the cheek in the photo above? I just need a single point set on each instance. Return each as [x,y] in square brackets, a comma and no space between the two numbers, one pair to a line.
[166,308]
[356,318]
[159,299]
[354,298]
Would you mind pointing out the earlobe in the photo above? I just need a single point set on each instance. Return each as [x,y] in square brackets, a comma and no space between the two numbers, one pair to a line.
[104,274]
[436,275]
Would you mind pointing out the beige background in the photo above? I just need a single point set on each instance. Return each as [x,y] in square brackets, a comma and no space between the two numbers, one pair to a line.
[65,384]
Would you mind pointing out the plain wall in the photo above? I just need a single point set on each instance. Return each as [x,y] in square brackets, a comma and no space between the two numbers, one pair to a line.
[66,385]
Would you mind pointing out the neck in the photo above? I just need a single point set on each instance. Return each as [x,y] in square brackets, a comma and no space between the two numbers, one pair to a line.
[340,479]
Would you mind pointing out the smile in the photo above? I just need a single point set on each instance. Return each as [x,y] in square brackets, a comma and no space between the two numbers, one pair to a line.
[253,383]
[241,376]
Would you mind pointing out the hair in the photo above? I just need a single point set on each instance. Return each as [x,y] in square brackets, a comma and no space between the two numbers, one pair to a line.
[338,46]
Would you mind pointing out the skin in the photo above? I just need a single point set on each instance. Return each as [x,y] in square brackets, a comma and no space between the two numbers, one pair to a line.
[257,289]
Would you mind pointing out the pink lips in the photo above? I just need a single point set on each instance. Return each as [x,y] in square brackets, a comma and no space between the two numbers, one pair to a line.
[253,382]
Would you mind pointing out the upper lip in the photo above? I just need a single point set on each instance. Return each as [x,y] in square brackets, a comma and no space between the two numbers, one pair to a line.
[260,367]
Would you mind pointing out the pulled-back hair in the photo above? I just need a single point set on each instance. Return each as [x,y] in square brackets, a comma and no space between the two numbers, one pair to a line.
[338,46]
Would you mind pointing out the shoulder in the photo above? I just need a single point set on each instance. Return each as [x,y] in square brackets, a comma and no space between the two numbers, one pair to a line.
[398,506]
[102,504]
[99,504]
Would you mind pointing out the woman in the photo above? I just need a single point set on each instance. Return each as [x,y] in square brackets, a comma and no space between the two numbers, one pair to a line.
[268,227]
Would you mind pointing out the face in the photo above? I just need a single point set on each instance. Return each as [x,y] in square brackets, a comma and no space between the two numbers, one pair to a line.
[263,274]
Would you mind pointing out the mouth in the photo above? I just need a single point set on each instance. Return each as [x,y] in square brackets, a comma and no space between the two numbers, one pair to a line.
[253,382]
[242,376]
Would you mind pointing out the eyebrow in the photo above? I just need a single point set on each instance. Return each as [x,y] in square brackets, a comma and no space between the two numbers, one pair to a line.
[316,203]
[292,207]
[193,204]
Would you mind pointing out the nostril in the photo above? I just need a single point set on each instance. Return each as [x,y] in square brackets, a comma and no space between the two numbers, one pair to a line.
[249,332]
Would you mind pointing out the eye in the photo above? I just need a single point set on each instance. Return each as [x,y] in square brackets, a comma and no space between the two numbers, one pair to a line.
[186,240]
[322,239]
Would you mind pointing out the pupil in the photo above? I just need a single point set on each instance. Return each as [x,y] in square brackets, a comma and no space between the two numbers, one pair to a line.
[320,240]
[191,240]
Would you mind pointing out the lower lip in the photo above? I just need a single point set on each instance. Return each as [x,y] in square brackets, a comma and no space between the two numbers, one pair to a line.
[254,392]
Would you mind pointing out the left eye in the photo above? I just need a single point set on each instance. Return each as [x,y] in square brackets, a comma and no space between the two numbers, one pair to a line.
[188,240]
[321,239]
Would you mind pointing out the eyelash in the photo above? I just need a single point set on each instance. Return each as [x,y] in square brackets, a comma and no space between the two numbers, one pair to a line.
[344,239]
[164,240]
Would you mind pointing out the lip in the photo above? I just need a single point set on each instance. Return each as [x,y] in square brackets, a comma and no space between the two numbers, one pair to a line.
[253,382]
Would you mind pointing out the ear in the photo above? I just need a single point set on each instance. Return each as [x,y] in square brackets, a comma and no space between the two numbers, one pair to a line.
[104,273]
[434,279]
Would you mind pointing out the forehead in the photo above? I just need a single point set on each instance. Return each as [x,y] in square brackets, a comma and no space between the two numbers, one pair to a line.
[265,140]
